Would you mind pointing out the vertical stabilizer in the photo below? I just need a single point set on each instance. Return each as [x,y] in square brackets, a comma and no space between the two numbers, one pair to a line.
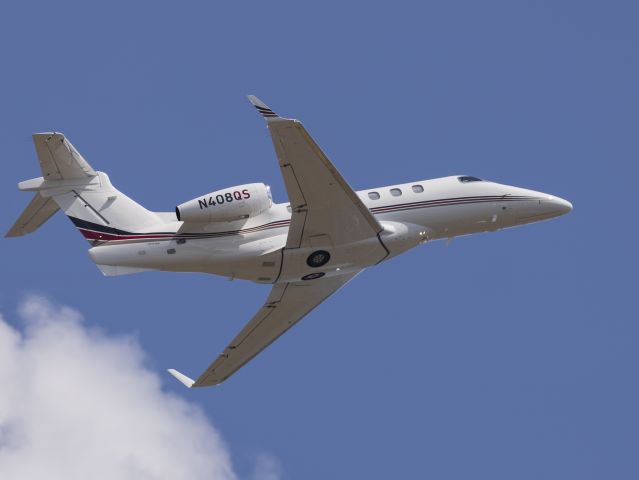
[85,195]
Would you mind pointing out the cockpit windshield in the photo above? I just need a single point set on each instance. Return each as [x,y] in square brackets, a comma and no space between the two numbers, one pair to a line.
[468,179]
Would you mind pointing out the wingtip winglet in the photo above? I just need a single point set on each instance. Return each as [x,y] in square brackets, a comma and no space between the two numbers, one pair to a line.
[264,109]
[256,102]
[186,381]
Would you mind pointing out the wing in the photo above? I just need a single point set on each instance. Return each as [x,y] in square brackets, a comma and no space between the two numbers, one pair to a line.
[322,202]
[287,304]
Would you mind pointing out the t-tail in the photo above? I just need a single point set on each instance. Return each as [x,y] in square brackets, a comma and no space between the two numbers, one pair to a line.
[86,196]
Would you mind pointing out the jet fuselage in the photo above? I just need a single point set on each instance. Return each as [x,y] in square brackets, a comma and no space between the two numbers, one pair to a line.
[411,214]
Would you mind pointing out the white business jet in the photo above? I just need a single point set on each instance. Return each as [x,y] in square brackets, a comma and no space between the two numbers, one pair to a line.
[307,249]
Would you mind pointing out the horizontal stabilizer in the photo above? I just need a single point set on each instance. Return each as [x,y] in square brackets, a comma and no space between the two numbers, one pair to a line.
[37,212]
[59,160]
[188,382]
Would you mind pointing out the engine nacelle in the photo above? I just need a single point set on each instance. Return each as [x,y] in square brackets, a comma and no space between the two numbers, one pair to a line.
[226,205]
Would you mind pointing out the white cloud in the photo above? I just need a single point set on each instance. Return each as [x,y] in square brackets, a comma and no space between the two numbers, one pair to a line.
[76,403]
[266,468]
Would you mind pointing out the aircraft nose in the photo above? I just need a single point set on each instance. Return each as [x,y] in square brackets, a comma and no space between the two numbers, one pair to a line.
[561,206]
[538,206]
[555,206]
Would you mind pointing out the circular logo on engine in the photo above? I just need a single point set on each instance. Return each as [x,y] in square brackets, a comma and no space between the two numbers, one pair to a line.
[313,276]
[318,258]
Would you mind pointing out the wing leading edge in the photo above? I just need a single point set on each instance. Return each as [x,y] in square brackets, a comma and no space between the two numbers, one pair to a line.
[286,305]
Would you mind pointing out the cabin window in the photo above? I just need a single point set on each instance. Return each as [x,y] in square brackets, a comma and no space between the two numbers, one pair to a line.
[418,188]
[395,192]
[468,179]
[373,195]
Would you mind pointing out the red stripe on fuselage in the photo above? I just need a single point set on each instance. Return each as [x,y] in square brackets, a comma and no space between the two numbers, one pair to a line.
[95,235]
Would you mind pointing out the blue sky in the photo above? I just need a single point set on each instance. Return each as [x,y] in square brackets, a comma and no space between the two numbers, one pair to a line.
[505,355]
